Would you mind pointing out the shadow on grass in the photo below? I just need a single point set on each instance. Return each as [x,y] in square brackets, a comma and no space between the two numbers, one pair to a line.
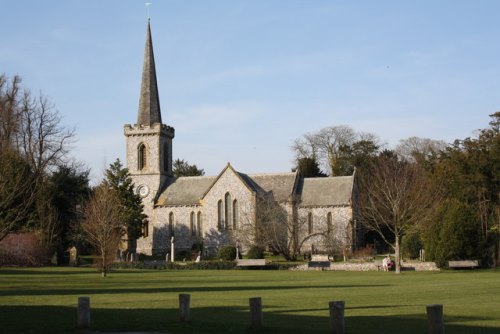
[58,319]
[62,292]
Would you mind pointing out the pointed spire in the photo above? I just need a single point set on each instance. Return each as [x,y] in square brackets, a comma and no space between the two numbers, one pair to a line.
[149,102]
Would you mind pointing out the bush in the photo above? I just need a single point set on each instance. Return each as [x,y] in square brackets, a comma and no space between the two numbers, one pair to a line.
[411,245]
[255,252]
[227,253]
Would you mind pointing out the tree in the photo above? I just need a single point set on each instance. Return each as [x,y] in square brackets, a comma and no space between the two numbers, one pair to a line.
[308,167]
[102,225]
[284,233]
[183,168]
[416,149]
[397,196]
[17,195]
[33,141]
[336,148]
[131,207]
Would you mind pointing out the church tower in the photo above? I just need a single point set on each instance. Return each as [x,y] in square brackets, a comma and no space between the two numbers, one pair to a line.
[149,141]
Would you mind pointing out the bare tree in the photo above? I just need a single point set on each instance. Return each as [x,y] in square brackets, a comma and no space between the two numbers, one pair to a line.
[284,230]
[414,149]
[102,225]
[396,196]
[328,146]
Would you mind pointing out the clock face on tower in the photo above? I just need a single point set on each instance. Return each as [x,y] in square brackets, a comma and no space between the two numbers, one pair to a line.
[143,190]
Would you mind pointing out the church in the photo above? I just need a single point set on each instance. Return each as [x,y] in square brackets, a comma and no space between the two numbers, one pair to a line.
[314,215]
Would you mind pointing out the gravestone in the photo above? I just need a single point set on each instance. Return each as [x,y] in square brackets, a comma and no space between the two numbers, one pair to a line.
[73,256]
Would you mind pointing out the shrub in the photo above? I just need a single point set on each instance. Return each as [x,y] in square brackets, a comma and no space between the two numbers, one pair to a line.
[411,245]
[255,252]
[227,253]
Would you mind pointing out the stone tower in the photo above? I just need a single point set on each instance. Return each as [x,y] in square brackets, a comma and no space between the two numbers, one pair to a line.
[149,142]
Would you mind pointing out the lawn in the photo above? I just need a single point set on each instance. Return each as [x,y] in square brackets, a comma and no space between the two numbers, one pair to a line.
[43,300]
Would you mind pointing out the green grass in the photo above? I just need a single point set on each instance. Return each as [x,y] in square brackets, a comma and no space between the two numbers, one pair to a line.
[43,300]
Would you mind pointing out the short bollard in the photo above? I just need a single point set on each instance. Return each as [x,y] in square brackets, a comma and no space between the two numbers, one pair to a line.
[83,312]
[256,312]
[337,323]
[435,318]
[184,311]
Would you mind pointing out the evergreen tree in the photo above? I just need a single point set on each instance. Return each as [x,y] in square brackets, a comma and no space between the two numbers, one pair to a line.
[183,168]
[131,214]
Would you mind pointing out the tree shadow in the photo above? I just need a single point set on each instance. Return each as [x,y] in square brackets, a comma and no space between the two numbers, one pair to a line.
[105,290]
[60,319]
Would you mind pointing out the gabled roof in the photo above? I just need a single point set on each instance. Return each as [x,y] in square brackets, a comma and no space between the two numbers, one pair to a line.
[326,191]
[230,168]
[188,190]
[281,185]
[149,101]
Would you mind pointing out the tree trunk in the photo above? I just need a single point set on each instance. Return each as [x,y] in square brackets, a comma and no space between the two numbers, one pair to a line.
[398,254]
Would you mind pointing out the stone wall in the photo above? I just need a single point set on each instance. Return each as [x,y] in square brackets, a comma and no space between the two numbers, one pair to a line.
[373,266]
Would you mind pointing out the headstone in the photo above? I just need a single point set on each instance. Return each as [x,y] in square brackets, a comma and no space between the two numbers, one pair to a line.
[435,318]
[337,323]
[73,256]
[53,260]
[184,311]
[198,258]
[256,318]
[172,252]
[83,312]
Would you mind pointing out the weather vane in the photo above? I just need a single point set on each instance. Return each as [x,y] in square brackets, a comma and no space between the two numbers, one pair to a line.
[147,7]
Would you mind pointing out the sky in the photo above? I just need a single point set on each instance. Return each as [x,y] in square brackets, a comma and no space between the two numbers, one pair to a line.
[239,80]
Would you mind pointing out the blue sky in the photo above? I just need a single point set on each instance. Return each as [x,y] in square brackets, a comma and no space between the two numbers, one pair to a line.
[240,80]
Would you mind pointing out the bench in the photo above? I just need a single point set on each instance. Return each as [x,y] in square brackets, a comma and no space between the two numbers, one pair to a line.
[251,263]
[464,264]
[319,261]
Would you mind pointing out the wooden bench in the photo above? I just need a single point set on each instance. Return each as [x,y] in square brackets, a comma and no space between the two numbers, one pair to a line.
[319,261]
[464,264]
[251,263]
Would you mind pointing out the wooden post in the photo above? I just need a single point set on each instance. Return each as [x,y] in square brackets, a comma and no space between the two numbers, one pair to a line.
[184,310]
[337,323]
[435,318]
[83,312]
[256,318]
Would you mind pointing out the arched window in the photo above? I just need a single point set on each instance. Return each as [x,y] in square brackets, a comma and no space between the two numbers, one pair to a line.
[200,225]
[165,157]
[220,220]
[310,223]
[329,222]
[171,226]
[141,157]
[193,224]
[235,214]
[227,211]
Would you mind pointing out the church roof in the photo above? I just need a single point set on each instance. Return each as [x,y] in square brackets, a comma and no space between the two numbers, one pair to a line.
[326,191]
[186,190]
[280,184]
[149,101]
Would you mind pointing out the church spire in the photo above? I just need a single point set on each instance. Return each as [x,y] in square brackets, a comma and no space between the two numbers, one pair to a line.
[149,102]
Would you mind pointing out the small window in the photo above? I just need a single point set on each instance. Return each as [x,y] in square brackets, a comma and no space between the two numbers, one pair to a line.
[193,224]
[235,214]
[220,220]
[145,229]
[171,226]
[200,225]
[310,223]
[141,157]
[227,211]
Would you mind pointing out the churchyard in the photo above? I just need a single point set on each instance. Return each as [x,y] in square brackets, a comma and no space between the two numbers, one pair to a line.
[44,300]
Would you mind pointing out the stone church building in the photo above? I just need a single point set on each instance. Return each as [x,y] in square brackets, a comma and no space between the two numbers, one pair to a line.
[232,208]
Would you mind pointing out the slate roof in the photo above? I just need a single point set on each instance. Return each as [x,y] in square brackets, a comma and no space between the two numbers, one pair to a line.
[326,191]
[185,190]
[149,101]
[280,184]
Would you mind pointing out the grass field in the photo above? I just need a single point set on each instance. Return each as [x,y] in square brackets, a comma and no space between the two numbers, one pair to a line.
[43,300]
